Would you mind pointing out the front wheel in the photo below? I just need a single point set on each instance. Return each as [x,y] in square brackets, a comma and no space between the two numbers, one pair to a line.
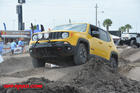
[81,55]
[38,62]
[114,64]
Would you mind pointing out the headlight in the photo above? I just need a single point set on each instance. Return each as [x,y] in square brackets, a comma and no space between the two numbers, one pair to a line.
[65,35]
[40,36]
[35,38]
[46,35]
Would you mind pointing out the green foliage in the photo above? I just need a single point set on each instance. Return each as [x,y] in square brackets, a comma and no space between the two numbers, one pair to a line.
[128,27]
[122,29]
[125,28]
[34,27]
[107,23]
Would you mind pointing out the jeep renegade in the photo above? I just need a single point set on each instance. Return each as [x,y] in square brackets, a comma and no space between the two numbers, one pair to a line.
[77,41]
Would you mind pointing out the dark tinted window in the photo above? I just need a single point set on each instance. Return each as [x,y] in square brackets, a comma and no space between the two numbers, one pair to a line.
[94,31]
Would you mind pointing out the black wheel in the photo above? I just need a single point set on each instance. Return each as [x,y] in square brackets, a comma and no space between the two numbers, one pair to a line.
[132,42]
[81,55]
[38,62]
[114,64]
[138,45]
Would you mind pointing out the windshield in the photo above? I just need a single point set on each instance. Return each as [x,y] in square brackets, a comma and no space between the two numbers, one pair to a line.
[72,27]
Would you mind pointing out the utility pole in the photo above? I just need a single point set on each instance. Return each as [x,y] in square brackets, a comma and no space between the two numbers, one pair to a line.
[20,14]
[99,23]
[96,7]
[69,21]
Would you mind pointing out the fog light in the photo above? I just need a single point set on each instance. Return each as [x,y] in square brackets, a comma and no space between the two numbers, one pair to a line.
[69,48]
[30,51]
[66,43]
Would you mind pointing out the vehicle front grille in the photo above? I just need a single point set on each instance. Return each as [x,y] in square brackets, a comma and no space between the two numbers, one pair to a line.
[55,35]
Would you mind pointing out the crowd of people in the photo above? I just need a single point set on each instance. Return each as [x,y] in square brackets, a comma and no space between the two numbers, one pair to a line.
[14,44]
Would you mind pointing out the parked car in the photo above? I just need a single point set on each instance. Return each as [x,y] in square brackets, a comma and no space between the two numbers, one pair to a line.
[128,39]
[79,41]
[116,39]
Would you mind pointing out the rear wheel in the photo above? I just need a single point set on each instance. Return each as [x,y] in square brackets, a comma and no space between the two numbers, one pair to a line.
[114,64]
[38,62]
[81,55]
[133,42]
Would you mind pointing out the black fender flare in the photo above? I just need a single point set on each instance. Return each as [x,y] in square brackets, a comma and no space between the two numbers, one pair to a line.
[133,38]
[86,42]
[115,55]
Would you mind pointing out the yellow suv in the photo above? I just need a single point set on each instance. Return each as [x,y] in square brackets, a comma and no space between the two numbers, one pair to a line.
[78,41]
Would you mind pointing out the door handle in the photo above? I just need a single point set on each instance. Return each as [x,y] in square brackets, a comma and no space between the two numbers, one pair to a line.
[110,46]
[100,42]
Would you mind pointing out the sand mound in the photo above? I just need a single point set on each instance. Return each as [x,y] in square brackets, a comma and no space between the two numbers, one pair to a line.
[96,76]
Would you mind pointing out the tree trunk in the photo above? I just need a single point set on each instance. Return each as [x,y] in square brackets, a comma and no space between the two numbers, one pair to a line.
[127,30]
[107,28]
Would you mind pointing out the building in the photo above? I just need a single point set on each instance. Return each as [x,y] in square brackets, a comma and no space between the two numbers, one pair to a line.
[9,35]
[115,33]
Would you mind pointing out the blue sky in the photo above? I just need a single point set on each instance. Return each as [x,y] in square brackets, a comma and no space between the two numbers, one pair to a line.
[57,12]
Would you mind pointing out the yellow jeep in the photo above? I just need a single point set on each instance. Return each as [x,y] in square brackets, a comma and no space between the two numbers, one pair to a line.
[78,41]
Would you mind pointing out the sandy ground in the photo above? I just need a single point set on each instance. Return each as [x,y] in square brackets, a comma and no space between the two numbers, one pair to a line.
[18,68]
[132,65]
[134,74]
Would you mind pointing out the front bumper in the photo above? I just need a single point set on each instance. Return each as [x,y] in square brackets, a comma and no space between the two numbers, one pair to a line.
[51,49]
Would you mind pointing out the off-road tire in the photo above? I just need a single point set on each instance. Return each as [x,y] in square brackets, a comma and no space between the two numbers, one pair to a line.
[81,54]
[133,42]
[38,62]
[114,64]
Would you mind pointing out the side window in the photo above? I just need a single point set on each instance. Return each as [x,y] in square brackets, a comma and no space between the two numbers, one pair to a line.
[103,35]
[94,31]
[108,37]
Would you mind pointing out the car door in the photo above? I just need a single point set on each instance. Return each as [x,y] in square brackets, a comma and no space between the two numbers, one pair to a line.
[95,43]
[104,44]
[107,45]
[98,47]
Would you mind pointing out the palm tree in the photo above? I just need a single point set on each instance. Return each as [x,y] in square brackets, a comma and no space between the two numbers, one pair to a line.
[128,27]
[107,23]
[122,29]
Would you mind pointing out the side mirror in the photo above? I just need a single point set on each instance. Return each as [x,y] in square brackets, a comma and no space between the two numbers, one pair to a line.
[95,34]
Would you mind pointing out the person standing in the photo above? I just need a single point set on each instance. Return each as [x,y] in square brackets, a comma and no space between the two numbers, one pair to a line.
[21,44]
[13,46]
[1,45]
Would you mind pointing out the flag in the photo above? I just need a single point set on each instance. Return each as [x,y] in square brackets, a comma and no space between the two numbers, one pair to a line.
[4,26]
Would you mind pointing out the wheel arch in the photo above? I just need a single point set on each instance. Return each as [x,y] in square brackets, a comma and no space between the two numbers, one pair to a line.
[85,42]
[114,55]
[133,38]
